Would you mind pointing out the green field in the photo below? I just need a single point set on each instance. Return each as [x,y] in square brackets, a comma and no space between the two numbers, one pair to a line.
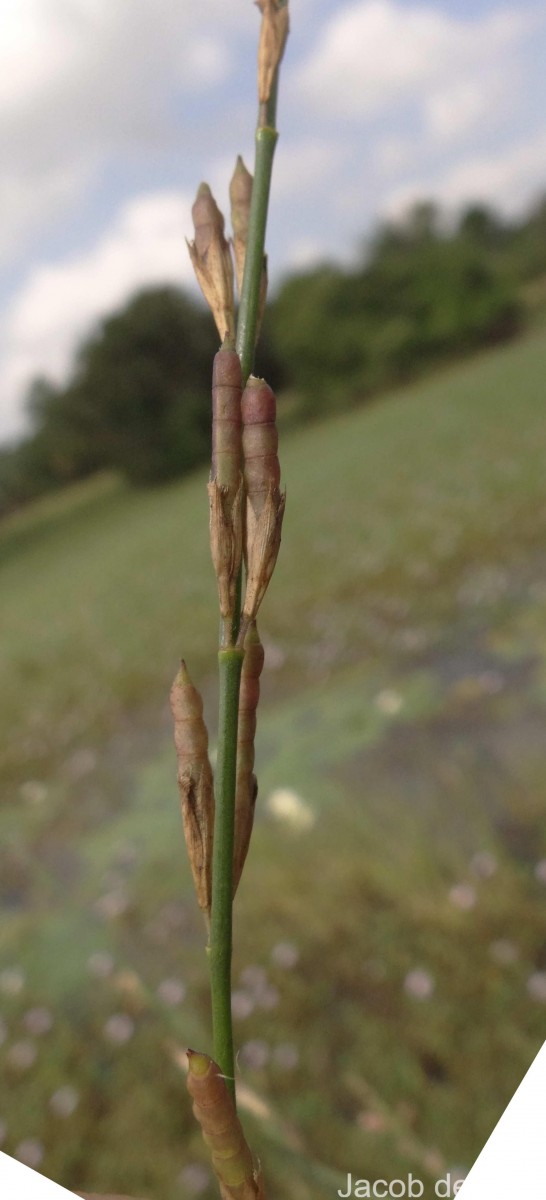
[390,963]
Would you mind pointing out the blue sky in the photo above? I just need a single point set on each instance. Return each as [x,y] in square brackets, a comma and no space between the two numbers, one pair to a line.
[112,111]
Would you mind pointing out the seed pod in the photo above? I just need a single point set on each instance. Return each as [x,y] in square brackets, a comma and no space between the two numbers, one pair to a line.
[273,35]
[260,442]
[247,785]
[226,418]
[222,1130]
[211,258]
[194,782]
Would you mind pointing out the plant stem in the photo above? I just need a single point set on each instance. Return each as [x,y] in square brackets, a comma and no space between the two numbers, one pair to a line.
[247,323]
[230,659]
[230,662]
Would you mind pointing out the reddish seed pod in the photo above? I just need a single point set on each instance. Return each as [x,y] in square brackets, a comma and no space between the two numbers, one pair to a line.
[226,418]
[246,786]
[260,442]
[222,1130]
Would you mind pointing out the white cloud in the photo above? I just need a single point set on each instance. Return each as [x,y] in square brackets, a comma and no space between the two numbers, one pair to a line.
[85,83]
[58,304]
[375,54]
[305,165]
[506,179]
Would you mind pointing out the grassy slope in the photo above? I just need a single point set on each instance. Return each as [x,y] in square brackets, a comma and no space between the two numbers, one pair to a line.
[404,703]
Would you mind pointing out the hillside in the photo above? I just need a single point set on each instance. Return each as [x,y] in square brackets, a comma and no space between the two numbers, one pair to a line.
[391,938]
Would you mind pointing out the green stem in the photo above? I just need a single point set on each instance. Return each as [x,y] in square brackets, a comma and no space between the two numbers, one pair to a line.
[247,322]
[230,663]
[230,659]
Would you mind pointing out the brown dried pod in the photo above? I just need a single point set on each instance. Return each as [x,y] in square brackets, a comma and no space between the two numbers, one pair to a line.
[273,34]
[247,785]
[222,1131]
[194,782]
[226,545]
[211,258]
[226,418]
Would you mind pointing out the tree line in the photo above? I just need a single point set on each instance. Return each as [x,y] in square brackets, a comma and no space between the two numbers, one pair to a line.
[421,292]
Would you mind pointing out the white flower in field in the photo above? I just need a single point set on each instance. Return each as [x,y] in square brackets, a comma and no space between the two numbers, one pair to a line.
[195,1179]
[119,1028]
[113,904]
[255,1054]
[38,1021]
[242,1004]
[491,682]
[30,1151]
[540,871]
[286,1056]
[171,992]
[33,791]
[371,1122]
[21,1056]
[100,964]
[12,981]
[419,984]
[82,762]
[286,805]
[536,986]
[503,951]
[268,998]
[463,896]
[388,702]
[254,977]
[285,955]
[64,1101]
[484,864]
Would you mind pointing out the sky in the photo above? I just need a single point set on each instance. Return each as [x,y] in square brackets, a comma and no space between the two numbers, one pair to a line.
[113,111]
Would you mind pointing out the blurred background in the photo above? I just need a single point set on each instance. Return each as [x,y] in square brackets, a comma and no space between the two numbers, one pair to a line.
[390,950]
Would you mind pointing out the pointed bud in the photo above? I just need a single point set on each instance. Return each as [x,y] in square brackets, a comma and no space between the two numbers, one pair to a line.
[247,785]
[222,1131]
[273,34]
[194,782]
[240,194]
[211,259]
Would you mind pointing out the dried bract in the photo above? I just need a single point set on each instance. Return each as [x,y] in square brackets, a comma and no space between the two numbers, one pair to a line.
[273,35]
[247,785]
[194,782]
[211,258]
[263,542]
[240,194]
[226,546]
